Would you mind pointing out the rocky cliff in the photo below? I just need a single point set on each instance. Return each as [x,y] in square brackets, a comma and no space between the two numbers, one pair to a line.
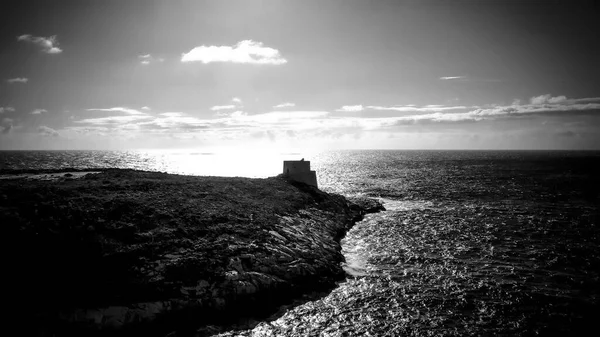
[124,251]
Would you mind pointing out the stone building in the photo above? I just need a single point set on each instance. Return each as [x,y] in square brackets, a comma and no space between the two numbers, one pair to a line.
[299,170]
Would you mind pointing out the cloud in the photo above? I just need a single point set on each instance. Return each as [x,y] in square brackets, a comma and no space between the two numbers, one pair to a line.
[99,130]
[401,108]
[541,105]
[471,79]
[147,59]
[174,121]
[439,115]
[287,115]
[414,108]
[144,59]
[49,45]
[238,114]
[17,80]
[145,108]
[285,105]
[6,109]
[566,107]
[567,134]
[351,108]
[6,126]
[547,99]
[222,107]
[127,121]
[562,100]
[5,129]
[113,120]
[447,78]
[47,132]
[296,119]
[237,103]
[247,51]
[38,111]
[172,114]
[583,100]
[237,124]
[120,109]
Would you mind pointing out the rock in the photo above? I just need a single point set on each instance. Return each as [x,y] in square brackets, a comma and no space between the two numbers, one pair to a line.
[278,236]
[232,275]
[367,205]
[114,317]
[127,248]
[236,264]
[245,287]
[91,316]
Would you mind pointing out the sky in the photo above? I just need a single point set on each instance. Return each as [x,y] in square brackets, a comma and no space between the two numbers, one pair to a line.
[283,75]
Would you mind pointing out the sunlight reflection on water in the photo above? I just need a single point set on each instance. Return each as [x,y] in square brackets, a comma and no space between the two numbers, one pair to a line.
[254,164]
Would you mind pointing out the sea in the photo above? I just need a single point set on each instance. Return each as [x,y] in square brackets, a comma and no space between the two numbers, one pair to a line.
[472,243]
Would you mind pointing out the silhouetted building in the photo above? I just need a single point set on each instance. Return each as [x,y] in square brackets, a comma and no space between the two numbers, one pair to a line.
[299,170]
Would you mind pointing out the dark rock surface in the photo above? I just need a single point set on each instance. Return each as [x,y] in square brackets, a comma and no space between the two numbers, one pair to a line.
[365,205]
[125,251]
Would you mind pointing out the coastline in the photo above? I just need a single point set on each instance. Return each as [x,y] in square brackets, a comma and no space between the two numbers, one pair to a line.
[124,251]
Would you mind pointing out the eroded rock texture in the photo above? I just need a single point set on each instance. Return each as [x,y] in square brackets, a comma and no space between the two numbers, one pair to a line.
[129,251]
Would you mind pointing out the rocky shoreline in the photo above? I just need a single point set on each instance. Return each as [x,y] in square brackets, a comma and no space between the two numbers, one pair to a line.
[123,251]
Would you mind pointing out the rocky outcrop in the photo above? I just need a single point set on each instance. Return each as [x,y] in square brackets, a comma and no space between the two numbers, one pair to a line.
[128,251]
[364,205]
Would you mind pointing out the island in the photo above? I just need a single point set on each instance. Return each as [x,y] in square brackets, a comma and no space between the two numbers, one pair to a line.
[121,252]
